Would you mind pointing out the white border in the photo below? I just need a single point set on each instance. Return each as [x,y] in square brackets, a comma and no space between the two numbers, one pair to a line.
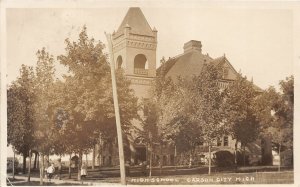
[293,5]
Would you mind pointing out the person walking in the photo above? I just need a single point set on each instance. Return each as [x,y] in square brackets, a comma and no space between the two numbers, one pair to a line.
[50,172]
[83,172]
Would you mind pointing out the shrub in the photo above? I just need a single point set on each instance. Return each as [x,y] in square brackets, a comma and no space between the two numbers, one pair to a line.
[224,159]
[240,159]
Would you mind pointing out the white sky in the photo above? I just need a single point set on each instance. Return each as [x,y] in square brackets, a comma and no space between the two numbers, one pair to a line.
[259,42]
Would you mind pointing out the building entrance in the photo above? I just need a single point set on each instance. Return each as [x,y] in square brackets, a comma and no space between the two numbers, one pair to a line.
[140,155]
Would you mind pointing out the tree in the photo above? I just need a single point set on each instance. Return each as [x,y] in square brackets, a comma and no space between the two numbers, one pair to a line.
[205,105]
[275,111]
[285,111]
[263,106]
[238,109]
[191,108]
[20,113]
[44,127]
[87,96]
[150,131]
[158,114]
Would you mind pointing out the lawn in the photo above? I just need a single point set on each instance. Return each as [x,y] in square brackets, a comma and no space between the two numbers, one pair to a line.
[181,175]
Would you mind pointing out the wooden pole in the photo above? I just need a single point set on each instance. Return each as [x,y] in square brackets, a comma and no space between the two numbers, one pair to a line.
[117,112]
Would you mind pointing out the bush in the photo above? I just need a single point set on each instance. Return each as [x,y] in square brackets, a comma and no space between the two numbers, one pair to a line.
[240,159]
[224,159]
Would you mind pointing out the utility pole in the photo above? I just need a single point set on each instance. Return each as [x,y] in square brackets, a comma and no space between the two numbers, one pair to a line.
[117,112]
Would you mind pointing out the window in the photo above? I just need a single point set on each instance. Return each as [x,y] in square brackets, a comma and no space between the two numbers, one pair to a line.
[225,140]
[219,142]
[140,65]
[225,72]
[119,62]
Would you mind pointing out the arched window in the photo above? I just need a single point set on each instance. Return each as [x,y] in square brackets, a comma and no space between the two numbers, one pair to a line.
[140,62]
[119,62]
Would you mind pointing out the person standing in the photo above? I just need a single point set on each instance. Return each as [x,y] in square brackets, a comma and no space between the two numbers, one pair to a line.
[83,172]
[50,172]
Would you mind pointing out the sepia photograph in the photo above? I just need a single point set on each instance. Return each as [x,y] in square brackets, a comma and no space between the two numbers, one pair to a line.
[148,93]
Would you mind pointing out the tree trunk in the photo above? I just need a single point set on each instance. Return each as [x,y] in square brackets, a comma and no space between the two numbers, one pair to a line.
[59,168]
[190,160]
[161,159]
[14,163]
[93,159]
[35,159]
[29,167]
[209,160]
[100,151]
[235,154]
[38,160]
[244,155]
[79,165]
[24,162]
[279,165]
[181,161]
[175,155]
[42,169]
[70,165]
[86,160]
[150,161]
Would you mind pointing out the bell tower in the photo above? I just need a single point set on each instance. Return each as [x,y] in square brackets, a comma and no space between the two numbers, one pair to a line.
[134,50]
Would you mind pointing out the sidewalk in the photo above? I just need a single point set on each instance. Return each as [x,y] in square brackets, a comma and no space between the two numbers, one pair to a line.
[21,179]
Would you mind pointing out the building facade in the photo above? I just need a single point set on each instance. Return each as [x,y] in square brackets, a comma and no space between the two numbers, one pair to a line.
[134,50]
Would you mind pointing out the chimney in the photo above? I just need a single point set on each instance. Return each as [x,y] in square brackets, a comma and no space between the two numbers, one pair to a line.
[192,45]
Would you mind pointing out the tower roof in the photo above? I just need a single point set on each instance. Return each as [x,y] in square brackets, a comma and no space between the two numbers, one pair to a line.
[137,22]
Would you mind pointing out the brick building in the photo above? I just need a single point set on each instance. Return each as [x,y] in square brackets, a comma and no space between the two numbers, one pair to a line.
[134,50]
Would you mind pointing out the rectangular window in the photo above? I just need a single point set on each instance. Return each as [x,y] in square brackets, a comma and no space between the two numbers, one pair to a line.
[225,140]
[219,142]
[225,72]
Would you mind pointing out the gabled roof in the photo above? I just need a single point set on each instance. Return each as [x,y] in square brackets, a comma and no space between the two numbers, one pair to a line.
[136,20]
[187,64]
[218,60]
[191,63]
[223,60]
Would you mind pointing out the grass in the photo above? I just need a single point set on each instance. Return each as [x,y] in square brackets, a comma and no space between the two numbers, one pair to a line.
[182,175]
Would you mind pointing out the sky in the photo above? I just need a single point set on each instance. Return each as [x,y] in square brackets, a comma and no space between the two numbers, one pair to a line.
[258,42]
